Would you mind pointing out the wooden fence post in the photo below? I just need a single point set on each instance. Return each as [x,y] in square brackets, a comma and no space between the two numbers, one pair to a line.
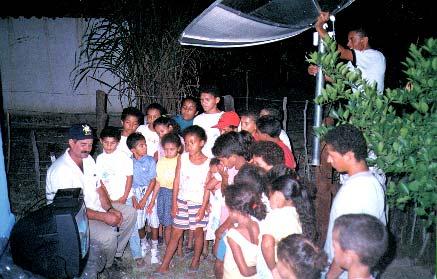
[284,108]
[101,110]
[101,114]
[228,101]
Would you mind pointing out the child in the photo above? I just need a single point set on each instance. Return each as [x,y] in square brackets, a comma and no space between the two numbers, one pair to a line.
[361,192]
[131,118]
[228,122]
[190,198]
[244,205]
[233,152]
[162,126]
[189,109]
[209,99]
[248,122]
[115,170]
[145,191]
[298,257]
[215,200]
[359,241]
[165,174]
[276,113]
[153,112]
[291,214]
[268,128]
[266,155]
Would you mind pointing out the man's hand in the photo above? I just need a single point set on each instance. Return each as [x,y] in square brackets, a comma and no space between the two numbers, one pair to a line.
[113,217]
[313,69]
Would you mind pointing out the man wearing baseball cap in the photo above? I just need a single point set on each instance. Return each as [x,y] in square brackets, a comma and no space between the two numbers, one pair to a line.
[110,224]
[228,122]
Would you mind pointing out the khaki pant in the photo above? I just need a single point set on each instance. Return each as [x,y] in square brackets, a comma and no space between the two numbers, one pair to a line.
[114,241]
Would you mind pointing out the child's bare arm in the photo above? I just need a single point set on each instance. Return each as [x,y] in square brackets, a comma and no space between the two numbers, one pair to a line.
[155,185]
[174,207]
[149,190]
[268,250]
[239,259]
[127,188]
[201,213]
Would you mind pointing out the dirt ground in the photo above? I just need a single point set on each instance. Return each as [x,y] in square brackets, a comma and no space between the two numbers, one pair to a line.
[399,269]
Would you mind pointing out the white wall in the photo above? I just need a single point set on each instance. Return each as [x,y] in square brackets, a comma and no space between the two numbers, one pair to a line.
[36,58]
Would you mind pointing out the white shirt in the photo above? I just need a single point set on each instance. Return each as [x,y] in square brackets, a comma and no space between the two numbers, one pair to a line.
[192,179]
[64,173]
[112,170]
[206,121]
[372,65]
[152,139]
[122,146]
[284,138]
[360,193]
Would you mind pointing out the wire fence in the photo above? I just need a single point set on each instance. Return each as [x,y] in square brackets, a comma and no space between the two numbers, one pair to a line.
[34,137]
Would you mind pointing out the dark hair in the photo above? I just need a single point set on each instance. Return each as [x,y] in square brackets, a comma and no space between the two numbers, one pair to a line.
[364,234]
[110,132]
[156,106]
[252,175]
[132,139]
[345,138]
[305,259]
[294,191]
[251,114]
[232,143]
[166,121]
[244,198]
[191,99]
[269,125]
[210,89]
[275,172]
[272,110]
[360,31]
[195,130]
[134,112]
[280,170]
[214,162]
[269,151]
[171,138]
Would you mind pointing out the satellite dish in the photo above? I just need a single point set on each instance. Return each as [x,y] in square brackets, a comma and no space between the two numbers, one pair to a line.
[241,23]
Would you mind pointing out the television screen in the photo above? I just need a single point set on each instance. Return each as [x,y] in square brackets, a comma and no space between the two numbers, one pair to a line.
[53,241]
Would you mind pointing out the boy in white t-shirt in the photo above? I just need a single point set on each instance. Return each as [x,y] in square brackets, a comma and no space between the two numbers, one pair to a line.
[209,99]
[153,112]
[360,193]
[131,118]
[115,171]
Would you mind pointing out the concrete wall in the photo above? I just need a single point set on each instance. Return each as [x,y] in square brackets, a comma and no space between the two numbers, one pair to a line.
[36,59]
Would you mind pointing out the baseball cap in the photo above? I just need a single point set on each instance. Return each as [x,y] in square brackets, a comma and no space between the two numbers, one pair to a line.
[229,118]
[80,131]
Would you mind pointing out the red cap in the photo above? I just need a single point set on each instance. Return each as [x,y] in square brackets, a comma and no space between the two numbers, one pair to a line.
[227,119]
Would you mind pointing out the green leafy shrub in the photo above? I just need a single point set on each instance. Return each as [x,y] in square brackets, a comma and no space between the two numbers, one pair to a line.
[400,125]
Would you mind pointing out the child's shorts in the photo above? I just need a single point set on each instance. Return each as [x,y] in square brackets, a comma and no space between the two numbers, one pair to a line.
[186,217]
[142,216]
[164,202]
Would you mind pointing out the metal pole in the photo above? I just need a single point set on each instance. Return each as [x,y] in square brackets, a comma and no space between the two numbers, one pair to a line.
[317,120]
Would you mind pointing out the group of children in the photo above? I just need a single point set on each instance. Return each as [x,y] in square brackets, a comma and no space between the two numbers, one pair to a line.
[224,178]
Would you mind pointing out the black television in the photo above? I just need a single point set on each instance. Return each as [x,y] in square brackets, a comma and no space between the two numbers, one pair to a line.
[53,241]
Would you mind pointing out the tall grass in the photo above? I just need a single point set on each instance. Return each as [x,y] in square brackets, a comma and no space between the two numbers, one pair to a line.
[143,55]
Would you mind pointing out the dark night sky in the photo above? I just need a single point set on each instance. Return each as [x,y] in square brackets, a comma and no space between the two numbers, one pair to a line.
[281,67]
